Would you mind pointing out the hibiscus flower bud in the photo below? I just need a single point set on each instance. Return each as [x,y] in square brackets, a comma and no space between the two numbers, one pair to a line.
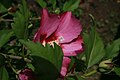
[26,74]
[106,66]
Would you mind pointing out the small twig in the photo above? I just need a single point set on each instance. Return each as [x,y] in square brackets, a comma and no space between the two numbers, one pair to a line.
[12,68]
[16,57]
[11,20]
[32,19]
[6,20]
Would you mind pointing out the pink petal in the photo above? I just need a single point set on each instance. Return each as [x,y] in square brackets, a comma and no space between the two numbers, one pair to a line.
[73,48]
[65,64]
[48,25]
[69,28]
[36,37]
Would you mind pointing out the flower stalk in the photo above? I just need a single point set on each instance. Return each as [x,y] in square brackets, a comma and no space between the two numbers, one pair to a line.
[89,74]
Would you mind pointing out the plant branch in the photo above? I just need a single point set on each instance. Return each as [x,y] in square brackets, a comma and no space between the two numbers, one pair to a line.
[11,20]
[16,57]
[12,68]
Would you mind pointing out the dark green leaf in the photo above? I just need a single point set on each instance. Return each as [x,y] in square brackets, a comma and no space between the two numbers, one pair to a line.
[117,70]
[94,48]
[3,74]
[71,5]
[79,77]
[53,2]
[46,60]
[21,18]
[2,8]
[112,50]
[71,78]
[42,3]
[78,67]
[71,63]
[4,5]
[5,36]
[76,77]
[2,60]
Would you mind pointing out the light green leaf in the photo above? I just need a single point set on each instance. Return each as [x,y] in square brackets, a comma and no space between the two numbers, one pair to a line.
[47,60]
[42,3]
[112,50]
[21,20]
[71,5]
[3,74]
[94,48]
[5,36]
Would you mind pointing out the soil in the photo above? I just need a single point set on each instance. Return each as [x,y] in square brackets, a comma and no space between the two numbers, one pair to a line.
[106,14]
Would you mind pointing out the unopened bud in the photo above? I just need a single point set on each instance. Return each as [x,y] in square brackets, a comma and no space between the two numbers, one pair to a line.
[106,66]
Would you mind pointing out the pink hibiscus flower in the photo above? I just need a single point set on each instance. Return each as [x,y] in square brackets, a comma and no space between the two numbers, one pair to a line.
[64,30]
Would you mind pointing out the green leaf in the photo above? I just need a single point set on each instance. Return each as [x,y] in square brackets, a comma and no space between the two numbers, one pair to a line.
[117,70]
[2,8]
[3,74]
[2,60]
[71,5]
[21,20]
[47,60]
[42,3]
[76,77]
[112,50]
[4,5]
[53,2]
[5,36]
[71,63]
[78,67]
[31,66]
[71,78]
[94,48]
[79,77]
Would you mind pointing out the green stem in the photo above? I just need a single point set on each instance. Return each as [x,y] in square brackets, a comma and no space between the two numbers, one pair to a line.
[90,73]
[23,54]
[12,68]
[4,15]
[93,20]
